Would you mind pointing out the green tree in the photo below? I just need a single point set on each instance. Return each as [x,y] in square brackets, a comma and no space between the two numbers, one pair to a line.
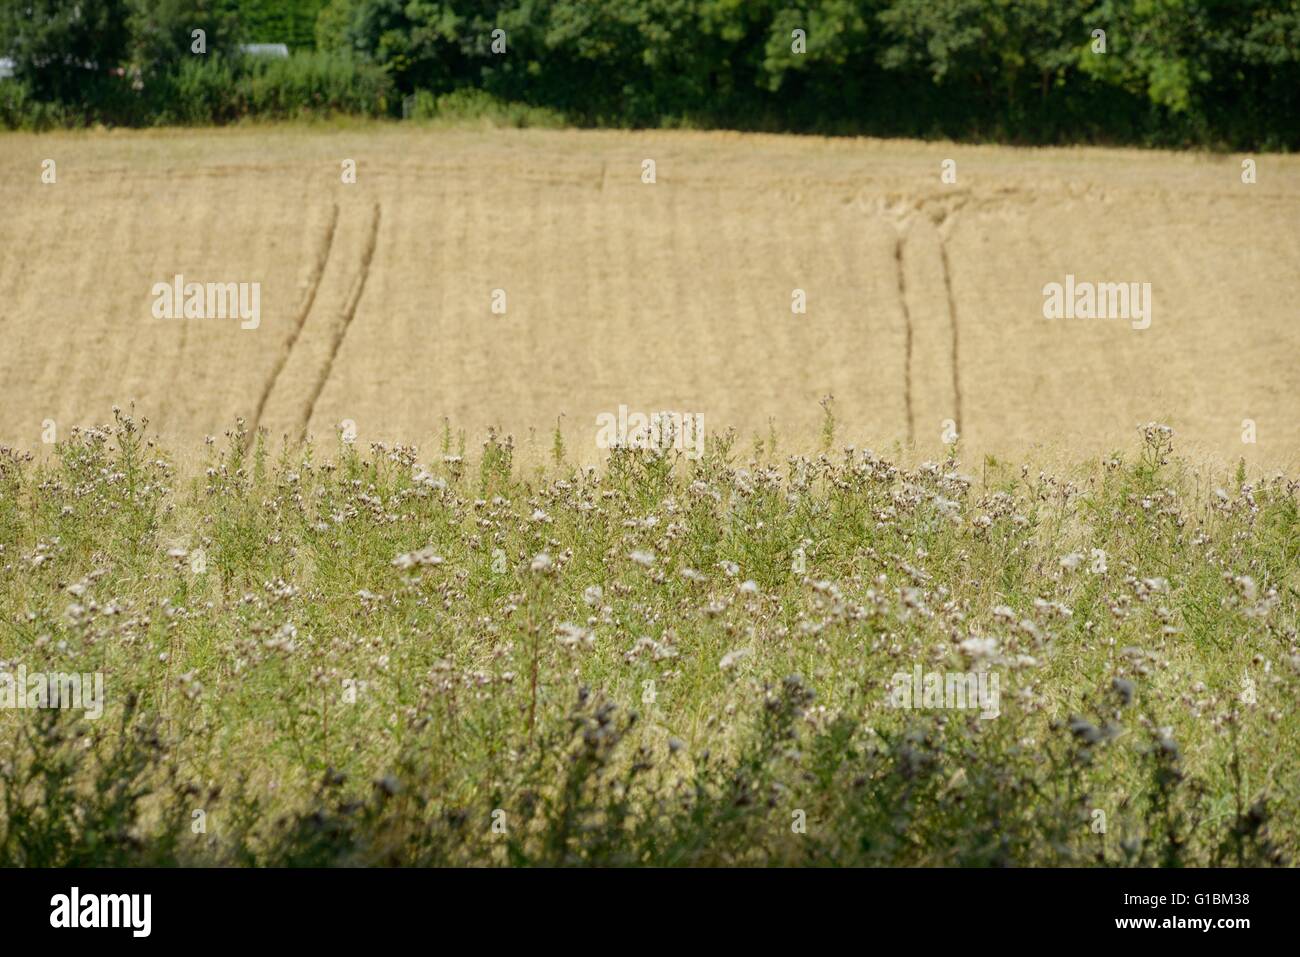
[292,22]
[163,31]
[66,51]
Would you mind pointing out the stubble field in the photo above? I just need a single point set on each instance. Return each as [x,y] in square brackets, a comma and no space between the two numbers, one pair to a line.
[924,298]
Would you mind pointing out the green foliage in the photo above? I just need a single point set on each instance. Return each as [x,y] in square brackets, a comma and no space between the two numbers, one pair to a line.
[19,109]
[473,106]
[382,659]
[222,90]
[330,32]
[312,84]
[1173,72]
[162,32]
[292,22]
[67,51]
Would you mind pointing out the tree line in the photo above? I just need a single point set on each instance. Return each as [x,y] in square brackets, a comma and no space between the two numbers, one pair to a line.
[1213,73]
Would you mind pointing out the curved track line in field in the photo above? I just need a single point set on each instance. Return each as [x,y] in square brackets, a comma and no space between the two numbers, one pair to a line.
[349,313]
[952,319]
[313,286]
[907,325]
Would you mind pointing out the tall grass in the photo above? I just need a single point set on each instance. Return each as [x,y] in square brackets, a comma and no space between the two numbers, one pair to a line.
[474,106]
[304,85]
[330,656]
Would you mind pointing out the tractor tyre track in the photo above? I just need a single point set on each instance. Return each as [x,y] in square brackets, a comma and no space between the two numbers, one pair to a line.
[309,300]
[345,319]
[953,325]
[907,331]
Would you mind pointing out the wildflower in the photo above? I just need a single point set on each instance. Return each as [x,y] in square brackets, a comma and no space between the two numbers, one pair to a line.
[1165,741]
[1052,608]
[730,659]
[423,476]
[424,557]
[283,639]
[1085,730]
[977,647]
[659,651]
[572,636]
[1125,689]
[948,508]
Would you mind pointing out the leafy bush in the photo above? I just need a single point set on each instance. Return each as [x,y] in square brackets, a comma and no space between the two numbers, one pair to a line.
[67,53]
[19,109]
[222,90]
[478,106]
[201,92]
[162,32]
[292,22]
[308,84]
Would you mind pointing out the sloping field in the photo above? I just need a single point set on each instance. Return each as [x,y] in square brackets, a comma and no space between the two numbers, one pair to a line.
[924,299]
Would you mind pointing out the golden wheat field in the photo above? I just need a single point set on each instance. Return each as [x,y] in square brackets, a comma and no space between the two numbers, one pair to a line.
[924,299]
